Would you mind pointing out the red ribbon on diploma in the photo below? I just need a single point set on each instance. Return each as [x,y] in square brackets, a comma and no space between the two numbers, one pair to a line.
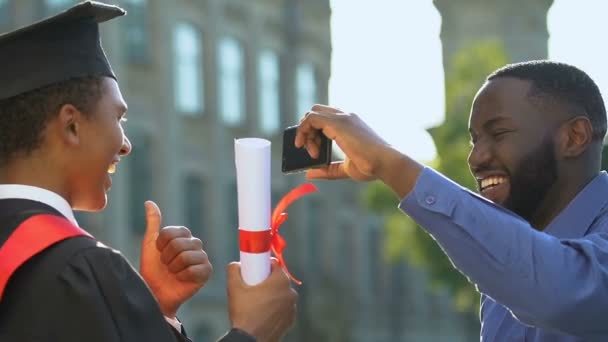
[262,241]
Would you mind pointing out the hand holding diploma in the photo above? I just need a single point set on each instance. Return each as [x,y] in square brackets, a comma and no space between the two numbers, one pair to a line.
[265,311]
[258,230]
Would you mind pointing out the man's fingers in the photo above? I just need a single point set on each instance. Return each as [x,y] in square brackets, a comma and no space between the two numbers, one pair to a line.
[177,246]
[327,109]
[277,274]
[309,127]
[335,170]
[312,146]
[302,134]
[312,122]
[186,259]
[169,233]
[196,274]
[308,134]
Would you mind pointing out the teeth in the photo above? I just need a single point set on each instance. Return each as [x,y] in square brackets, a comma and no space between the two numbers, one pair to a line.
[112,168]
[490,181]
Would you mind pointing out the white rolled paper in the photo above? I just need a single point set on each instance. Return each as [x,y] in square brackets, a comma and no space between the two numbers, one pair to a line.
[252,158]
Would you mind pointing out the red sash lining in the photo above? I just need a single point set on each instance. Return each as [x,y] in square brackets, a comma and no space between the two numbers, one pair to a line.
[31,237]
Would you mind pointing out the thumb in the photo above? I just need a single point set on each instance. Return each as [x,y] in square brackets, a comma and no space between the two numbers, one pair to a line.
[153,218]
[335,170]
[233,271]
[274,263]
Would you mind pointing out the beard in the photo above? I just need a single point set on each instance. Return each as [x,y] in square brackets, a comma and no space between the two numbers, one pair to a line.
[531,180]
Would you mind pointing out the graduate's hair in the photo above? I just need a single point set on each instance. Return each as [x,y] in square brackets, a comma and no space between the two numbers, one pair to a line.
[23,117]
[563,83]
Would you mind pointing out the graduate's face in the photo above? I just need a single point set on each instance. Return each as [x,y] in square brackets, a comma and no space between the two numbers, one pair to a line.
[102,143]
[513,148]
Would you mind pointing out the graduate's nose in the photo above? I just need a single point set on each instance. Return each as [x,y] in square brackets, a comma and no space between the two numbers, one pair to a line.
[126,146]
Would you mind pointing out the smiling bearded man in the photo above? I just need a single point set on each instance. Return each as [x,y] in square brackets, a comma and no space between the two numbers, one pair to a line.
[535,243]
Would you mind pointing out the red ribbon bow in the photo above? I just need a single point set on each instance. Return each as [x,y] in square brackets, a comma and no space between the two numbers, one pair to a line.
[261,241]
[278,244]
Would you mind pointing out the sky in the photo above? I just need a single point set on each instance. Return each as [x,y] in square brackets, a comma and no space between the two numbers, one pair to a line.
[387,62]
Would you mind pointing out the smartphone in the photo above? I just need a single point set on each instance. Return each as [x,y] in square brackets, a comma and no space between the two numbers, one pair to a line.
[297,159]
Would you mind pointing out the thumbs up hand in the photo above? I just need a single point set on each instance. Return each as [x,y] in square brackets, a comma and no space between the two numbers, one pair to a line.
[173,262]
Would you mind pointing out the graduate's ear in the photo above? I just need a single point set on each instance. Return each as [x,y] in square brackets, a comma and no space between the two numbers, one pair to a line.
[69,124]
[575,136]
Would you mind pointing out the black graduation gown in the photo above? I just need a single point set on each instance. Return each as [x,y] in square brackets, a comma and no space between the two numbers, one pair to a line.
[78,290]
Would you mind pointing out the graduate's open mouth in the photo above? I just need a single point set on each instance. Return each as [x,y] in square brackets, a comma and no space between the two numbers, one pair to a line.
[494,187]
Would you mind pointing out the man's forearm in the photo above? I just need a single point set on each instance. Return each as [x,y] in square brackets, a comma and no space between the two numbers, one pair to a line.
[539,277]
[398,171]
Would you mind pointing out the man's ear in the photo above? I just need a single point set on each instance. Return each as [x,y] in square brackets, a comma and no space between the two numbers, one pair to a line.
[575,136]
[68,123]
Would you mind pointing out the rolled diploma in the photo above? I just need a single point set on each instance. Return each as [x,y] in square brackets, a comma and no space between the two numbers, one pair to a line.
[252,157]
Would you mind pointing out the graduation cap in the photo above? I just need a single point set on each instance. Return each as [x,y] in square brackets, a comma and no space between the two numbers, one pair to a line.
[55,49]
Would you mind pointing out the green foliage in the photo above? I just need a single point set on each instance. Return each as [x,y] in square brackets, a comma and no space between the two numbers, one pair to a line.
[469,69]
[403,237]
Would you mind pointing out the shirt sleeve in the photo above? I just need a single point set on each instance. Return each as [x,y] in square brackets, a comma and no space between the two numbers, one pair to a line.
[107,301]
[557,284]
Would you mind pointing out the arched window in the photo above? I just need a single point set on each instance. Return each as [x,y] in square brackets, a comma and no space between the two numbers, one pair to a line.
[137,30]
[188,69]
[268,105]
[306,89]
[231,81]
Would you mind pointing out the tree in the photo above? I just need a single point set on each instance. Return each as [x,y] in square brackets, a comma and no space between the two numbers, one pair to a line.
[403,238]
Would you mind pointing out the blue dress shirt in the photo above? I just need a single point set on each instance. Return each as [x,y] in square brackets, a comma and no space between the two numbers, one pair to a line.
[536,286]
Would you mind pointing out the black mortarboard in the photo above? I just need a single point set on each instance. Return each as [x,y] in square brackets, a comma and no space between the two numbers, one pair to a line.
[55,49]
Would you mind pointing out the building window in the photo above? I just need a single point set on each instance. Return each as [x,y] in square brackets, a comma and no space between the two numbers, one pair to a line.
[306,89]
[5,13]
[140,182]
[194,205]
[268,109]
[232,81]
[54,6]
[188,69]
[136,30]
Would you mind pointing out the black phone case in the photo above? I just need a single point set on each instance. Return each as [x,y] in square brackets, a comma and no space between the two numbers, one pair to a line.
[297,159]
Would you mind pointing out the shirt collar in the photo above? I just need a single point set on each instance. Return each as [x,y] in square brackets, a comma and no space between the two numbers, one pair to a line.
[37,194]
[576,219]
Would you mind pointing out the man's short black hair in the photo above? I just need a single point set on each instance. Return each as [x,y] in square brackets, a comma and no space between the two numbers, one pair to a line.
[23,117]
[564,83]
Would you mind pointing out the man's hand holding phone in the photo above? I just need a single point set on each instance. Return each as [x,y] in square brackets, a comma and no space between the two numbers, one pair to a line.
[367,155]
[298,159]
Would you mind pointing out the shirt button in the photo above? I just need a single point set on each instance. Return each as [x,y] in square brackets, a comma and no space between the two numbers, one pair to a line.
[430,200]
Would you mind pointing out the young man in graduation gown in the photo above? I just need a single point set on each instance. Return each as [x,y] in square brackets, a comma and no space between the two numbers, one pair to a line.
[535,243]
[61,138]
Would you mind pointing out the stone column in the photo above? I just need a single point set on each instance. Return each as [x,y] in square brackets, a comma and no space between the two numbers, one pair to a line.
[521,25]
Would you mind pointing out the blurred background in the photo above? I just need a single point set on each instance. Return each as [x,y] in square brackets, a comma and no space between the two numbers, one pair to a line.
[199,73]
